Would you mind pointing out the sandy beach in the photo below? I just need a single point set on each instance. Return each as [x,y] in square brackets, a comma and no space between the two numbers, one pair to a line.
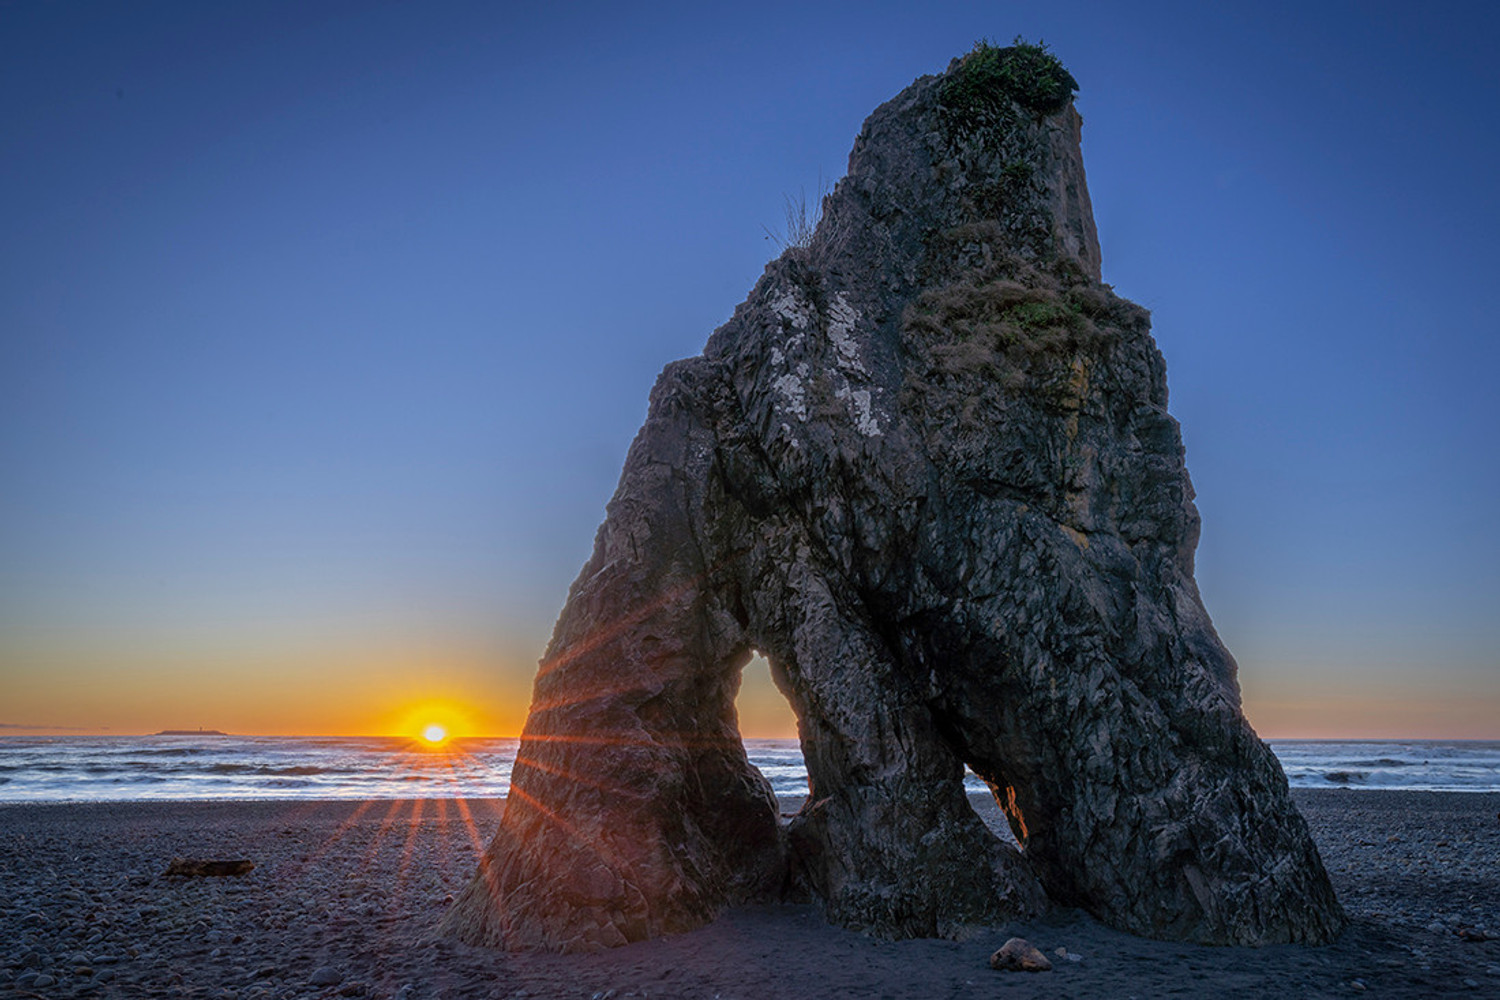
[344,898]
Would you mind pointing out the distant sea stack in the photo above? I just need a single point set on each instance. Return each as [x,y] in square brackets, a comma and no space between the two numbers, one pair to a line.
[926,469]
[190,732]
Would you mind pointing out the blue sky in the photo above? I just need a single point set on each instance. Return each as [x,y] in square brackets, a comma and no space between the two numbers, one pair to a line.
[324,327]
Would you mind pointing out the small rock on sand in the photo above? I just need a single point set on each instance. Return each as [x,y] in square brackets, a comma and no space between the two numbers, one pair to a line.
[1019,955]
[326,975]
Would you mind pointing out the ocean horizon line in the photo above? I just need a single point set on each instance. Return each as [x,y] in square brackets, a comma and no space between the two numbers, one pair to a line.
[120,767]
[9,730]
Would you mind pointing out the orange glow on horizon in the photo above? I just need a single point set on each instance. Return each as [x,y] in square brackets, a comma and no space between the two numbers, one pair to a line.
[1388,717]
[135,686]
[317,688]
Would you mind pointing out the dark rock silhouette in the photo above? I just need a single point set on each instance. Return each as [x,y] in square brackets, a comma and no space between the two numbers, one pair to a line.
[927,469]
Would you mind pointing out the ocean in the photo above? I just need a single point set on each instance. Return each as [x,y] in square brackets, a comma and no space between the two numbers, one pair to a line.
[121,768]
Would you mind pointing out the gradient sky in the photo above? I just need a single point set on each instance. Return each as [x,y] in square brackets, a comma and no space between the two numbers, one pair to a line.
[324,328]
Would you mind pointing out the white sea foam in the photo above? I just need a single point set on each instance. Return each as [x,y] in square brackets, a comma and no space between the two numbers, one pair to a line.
[120,768]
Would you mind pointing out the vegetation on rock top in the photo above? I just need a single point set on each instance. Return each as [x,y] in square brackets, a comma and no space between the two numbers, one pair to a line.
[990,78]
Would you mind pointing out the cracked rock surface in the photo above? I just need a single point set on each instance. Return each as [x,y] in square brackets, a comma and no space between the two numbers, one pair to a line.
[926,469]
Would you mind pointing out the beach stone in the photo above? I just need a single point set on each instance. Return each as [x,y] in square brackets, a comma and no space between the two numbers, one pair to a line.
[42,981]
[1020,955]
[927,470]
[326,975]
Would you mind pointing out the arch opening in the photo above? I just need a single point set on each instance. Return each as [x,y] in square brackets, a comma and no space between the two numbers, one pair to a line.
[989,792]
[768,731]
[996,807]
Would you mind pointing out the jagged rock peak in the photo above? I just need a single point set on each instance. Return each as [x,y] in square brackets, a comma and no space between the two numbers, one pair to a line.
[927,469]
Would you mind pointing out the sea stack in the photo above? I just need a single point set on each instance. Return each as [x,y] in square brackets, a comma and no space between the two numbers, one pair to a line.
[926,469]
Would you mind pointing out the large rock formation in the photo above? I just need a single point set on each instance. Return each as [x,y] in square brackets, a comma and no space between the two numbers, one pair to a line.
[927,469]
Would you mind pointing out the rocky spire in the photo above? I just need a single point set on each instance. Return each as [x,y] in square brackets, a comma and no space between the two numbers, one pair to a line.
[927,469]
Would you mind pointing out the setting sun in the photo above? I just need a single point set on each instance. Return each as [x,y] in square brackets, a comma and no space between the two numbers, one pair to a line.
[432,722]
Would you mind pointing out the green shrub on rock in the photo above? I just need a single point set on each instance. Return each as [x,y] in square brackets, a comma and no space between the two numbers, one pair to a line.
[990,78]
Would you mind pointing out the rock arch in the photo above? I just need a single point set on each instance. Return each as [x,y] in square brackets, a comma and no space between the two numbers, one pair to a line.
[927,468]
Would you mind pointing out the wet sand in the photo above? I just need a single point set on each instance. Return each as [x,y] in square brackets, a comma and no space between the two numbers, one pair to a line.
[345,896]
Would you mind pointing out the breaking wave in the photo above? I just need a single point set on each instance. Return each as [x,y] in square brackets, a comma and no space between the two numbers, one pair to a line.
[54,769]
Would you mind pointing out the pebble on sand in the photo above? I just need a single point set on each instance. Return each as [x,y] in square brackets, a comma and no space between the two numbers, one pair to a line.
[326,975]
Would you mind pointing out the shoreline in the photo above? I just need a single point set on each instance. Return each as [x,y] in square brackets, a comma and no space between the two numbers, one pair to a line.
[352,890]
[981,801]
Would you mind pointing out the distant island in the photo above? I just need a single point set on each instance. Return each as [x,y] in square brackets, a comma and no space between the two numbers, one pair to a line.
[190,732]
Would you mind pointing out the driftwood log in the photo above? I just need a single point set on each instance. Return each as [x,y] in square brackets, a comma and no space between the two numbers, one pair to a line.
[198,868]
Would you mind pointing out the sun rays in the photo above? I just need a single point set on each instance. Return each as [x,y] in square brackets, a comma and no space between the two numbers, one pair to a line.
[406,849]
